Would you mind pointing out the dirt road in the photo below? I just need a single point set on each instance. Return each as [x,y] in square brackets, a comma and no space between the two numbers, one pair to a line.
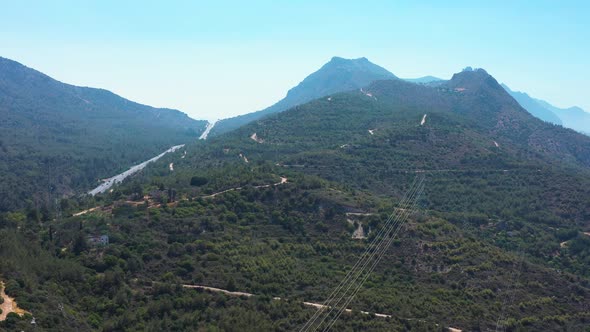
[283,181]
[309,304]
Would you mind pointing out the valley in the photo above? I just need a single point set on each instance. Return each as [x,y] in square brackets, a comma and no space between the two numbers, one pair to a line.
[389,206]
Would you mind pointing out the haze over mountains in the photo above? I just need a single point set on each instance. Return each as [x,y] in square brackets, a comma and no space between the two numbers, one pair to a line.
[88,124]
[573,117]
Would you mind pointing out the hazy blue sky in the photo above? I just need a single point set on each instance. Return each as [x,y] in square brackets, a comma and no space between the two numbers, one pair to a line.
[213,59]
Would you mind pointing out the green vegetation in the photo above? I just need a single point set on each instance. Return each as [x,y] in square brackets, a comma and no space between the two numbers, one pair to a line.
[290,240]
[57,139]
[338,75]
[499,232]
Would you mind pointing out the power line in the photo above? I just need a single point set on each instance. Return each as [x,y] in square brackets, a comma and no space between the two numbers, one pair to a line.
[368,261]
[354,269]
[510,297]
[380,255]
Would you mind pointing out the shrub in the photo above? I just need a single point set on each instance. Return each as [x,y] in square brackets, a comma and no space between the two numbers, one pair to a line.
[198,181]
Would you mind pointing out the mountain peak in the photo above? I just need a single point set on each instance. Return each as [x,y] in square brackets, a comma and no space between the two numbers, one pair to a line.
[337,75]
[341,59]
[358,65]
[473,71]
[472,79]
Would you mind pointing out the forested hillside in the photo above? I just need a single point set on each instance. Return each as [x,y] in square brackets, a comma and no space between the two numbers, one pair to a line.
[284,207]
[57,138]
[338,75]
[291,241]
[486,157]
[471,117]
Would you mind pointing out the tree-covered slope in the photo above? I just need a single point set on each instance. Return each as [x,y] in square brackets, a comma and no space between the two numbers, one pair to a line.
[486,156]
[292,241]
[338,75]
[57,138]
[470,105]
[498,239]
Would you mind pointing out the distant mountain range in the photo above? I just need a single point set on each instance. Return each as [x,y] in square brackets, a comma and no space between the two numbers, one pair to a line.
[58,137]
[99,132]
[338,75]
[424,80]
[534,107]
[476,97]
[573,117]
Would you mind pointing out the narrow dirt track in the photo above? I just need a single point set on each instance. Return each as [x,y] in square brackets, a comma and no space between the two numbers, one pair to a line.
[283,181]
[309,304]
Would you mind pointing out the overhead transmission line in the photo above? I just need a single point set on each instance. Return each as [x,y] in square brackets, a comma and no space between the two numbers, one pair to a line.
[389,240]
[509,299]
[336,303]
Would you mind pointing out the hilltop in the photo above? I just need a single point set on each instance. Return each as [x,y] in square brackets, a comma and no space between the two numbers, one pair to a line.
[338,75]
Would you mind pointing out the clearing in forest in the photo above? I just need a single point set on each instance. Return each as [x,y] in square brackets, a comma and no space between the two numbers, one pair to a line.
[9,305]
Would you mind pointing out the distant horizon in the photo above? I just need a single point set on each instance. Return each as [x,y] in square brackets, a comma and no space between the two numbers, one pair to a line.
[219,60]
[221,118]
